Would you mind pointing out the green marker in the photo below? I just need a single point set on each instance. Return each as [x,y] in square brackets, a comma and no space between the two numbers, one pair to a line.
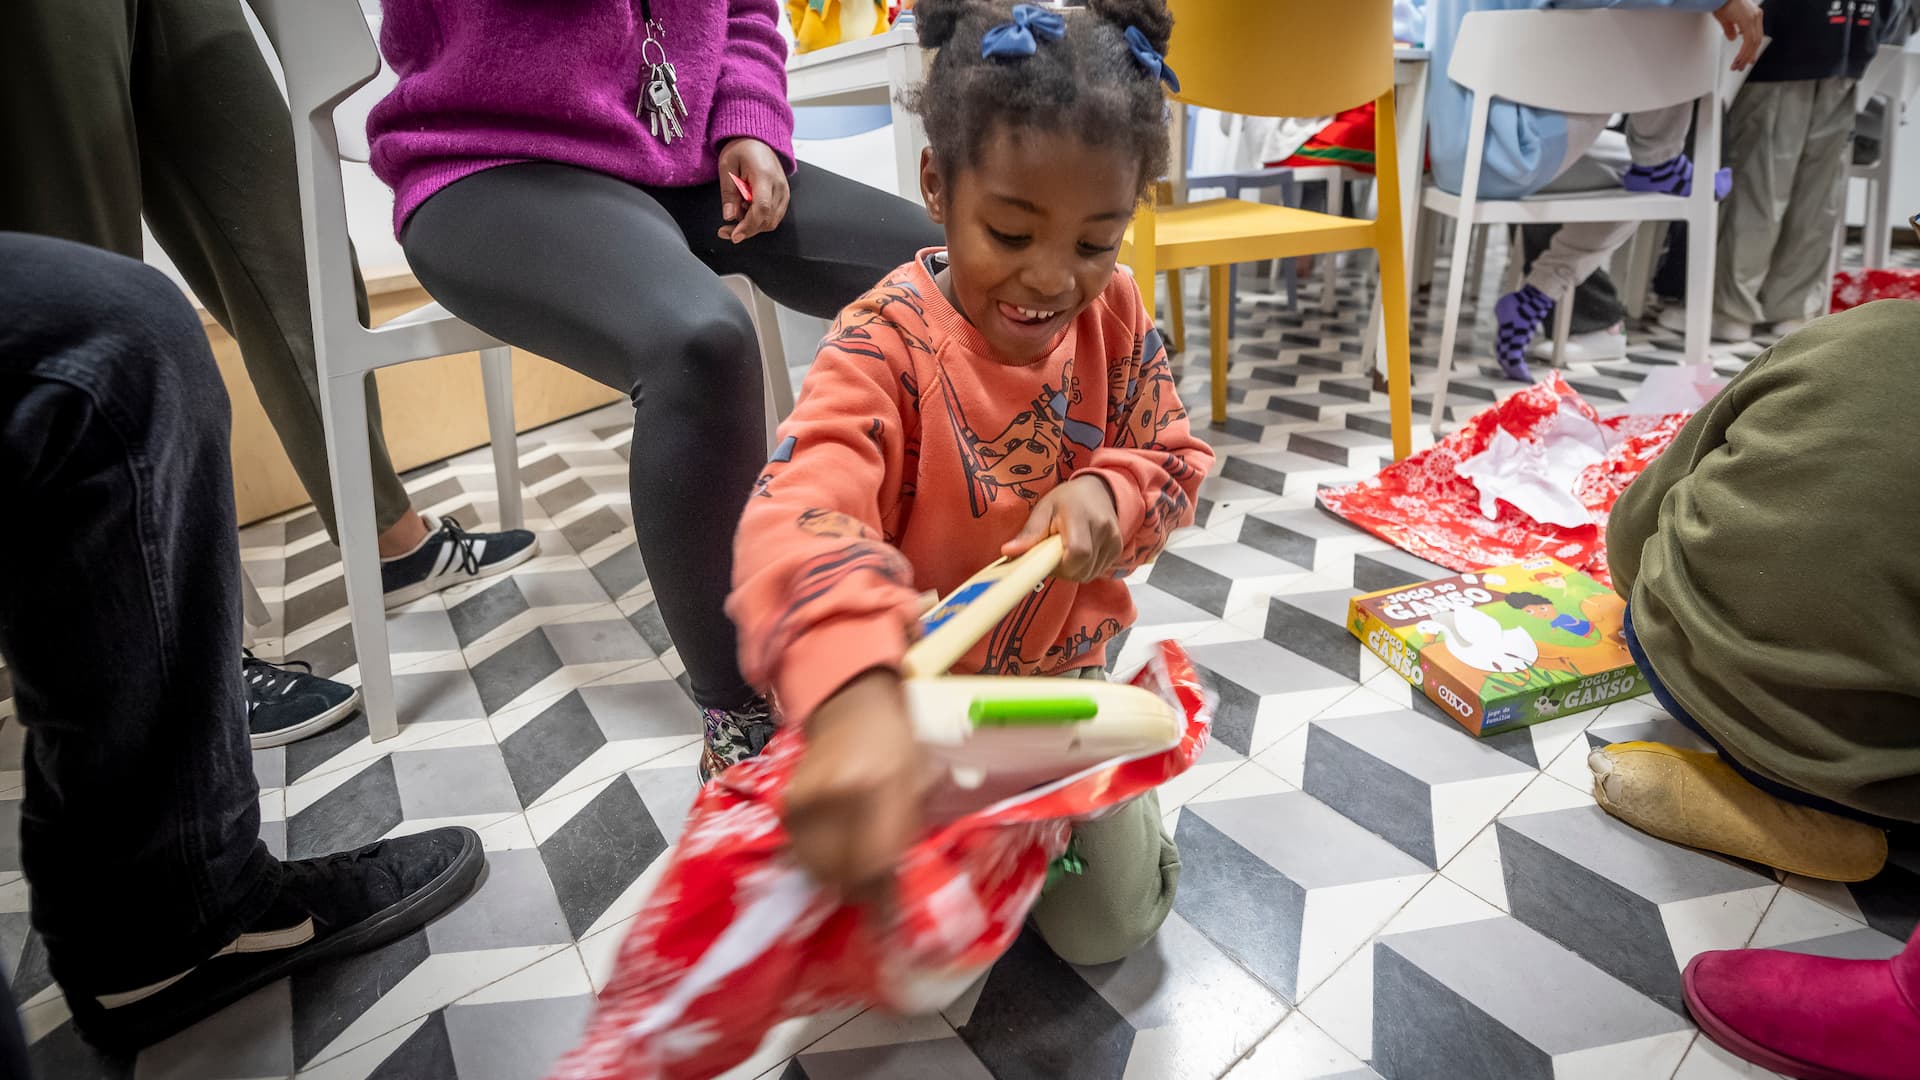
[1031,711]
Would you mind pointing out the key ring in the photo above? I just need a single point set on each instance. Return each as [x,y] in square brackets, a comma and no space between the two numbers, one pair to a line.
[657,47]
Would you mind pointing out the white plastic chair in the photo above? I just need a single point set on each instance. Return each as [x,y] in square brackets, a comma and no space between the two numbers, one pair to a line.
[1893,74]
[1585,62]
[327,53]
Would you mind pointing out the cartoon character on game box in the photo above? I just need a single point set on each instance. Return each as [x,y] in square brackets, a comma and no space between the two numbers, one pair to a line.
[1573,643]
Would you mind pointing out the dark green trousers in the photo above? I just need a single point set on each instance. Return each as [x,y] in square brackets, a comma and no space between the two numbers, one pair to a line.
[111,109]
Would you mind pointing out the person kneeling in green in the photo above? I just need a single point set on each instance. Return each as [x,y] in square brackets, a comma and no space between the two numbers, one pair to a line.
[1770,560]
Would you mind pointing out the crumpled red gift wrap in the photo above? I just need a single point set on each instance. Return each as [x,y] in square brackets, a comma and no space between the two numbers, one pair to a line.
[735,938]
[1851,288]
[1424,506]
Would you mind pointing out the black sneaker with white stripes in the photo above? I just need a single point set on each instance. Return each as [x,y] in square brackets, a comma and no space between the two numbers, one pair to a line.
[284,705]
[451,556]
[325,908]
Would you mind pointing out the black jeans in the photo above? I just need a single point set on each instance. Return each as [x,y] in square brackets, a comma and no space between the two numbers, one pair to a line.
[621,284]
[120,620]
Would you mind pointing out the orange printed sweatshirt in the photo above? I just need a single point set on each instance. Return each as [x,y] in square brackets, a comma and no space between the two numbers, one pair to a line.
[911,457]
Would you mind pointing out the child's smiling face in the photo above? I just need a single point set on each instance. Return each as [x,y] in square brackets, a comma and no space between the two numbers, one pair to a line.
[1033,228]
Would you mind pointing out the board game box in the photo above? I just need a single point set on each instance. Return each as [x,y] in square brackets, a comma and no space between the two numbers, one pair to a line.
[1504,647]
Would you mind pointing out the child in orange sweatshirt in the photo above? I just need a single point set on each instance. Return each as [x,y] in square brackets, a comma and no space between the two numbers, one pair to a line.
[978,399]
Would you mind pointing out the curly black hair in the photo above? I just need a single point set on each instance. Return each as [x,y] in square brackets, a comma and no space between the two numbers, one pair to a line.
[1520,601]
[1087,83]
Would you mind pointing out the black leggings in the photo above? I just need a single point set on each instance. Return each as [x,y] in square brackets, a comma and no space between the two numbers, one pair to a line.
[621,284]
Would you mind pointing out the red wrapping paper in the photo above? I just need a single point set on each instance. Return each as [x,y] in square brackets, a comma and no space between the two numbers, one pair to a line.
[735,938]
[1851,288]
[1423,505]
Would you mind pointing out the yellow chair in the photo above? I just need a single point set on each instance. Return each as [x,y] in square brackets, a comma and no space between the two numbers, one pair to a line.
[1283,58]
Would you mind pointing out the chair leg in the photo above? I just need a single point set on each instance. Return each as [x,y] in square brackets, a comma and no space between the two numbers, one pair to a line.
[1834,259]
[1337,206]
[1877,245]
[496,376]
[1700,286]
[1645,248]
[776,382]
[255,608]
[347,455]
[1450,327]
[1562,329]
[1477,262]
[1233,296]
[1516,262]
[1217,330]
[1426,245]
[1177,310]
[1289,196]
[773,361]
[1370,345]
[1390,311]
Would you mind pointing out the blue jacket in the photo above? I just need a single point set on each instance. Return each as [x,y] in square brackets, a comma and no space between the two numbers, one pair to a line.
[1525,146]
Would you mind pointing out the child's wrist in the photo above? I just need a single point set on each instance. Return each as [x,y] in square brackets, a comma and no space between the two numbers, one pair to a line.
[1104,486]
[871,691]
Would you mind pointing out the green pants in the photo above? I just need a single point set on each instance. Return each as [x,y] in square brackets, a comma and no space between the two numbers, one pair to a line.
[114,108]
[1788,145]
[1124,889]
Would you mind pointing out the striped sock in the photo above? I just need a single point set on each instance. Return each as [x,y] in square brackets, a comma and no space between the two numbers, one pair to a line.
[1673,177]
[1518,314]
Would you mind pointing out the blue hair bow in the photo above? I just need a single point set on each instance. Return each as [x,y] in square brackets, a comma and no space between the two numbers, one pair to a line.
[1017,38]
[1155,64]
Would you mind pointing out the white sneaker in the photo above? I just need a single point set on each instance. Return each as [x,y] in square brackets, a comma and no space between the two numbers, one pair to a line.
[1674,317]
[1787,326]
[1608,344]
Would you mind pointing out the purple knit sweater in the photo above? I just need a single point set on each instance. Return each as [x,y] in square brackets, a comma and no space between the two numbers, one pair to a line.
[490,82]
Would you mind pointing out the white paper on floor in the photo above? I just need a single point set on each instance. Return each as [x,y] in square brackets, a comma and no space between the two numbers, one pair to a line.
[1537,476]
[1674,390]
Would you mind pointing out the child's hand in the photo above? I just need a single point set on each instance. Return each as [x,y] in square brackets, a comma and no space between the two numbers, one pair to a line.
[853,806]
[1082,512]
[1742,19]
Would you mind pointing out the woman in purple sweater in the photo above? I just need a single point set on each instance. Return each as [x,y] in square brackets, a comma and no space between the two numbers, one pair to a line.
[542,195]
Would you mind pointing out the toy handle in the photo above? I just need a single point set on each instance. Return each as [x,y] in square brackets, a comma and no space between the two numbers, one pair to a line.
[934,654]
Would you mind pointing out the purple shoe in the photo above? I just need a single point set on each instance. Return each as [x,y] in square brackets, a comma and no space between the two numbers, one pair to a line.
[1518,314]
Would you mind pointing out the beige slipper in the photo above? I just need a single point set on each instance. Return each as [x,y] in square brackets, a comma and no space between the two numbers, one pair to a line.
[1695,798]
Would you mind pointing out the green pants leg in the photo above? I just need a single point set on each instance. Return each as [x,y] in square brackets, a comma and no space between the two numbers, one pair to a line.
[1786,144]
[1122,893]
[1797,283]
[1124,889]
[112,108]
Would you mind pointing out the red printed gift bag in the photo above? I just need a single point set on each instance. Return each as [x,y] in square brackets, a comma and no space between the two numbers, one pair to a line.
[735,938]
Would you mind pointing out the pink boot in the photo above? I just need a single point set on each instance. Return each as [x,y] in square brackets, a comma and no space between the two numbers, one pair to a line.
[1812,1017]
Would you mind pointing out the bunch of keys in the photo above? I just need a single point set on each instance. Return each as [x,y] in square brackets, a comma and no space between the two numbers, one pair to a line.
[661,100]
[660,96]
